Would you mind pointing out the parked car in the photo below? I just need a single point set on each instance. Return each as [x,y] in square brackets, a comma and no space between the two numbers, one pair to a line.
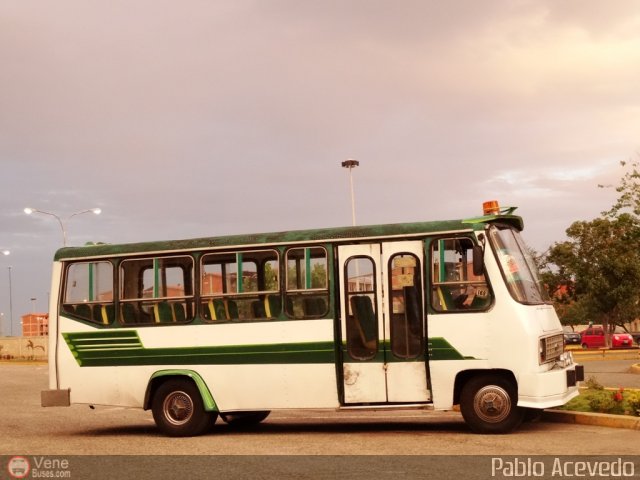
[593,337]
[572,338]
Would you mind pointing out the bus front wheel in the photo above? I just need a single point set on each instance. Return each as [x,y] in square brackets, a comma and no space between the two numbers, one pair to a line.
[178,409]
[488,404]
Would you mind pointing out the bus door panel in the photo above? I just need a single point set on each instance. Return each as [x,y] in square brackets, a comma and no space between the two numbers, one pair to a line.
[362,327]
[405,328]
[383,328]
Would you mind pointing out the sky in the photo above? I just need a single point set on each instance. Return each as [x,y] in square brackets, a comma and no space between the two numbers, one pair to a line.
[212,117]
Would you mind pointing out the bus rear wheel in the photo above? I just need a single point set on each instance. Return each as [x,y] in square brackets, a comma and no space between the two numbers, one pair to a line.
[178,409]
[244,419]
[488,404]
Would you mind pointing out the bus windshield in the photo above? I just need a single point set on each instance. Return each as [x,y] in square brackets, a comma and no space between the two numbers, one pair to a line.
[518,266]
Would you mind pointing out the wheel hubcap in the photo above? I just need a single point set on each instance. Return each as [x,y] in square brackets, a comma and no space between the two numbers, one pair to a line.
[492,404]
[178,408]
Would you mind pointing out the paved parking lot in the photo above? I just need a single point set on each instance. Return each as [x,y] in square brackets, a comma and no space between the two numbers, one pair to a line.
[30,429]
[612,373]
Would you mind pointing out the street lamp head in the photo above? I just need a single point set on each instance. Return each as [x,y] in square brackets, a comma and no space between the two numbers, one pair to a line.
[6,252]
[350,163]
[29,210]
[97,211]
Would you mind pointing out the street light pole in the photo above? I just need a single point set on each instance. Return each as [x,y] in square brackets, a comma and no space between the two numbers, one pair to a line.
[5,253]
[351,164]
[10,304]
[95,211]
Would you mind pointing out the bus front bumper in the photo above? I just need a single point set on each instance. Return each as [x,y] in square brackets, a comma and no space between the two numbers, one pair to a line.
[549,389]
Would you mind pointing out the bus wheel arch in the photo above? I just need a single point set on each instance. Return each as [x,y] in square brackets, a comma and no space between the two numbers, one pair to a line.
[488,400]
[181,403]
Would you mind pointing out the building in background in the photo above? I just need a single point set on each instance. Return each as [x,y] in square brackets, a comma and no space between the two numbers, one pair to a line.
[35,325]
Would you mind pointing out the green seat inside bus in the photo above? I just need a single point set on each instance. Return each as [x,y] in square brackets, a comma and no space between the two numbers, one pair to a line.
[412,309]
[214,310]
[315,306]
[103,313]
[178,312]
[269,307]
[220,309]
[364,318]
[83,310]
[128,313]
[163,313]
[169,312]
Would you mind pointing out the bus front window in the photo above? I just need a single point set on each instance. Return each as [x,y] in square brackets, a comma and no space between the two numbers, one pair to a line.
[518,266]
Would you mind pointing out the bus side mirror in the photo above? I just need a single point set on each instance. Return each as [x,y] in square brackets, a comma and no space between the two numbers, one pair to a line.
[478,260]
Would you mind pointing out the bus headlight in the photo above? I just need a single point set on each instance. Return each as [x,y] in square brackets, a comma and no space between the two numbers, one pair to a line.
[565,360]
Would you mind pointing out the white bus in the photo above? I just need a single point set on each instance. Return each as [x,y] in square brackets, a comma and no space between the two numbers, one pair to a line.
[418,315]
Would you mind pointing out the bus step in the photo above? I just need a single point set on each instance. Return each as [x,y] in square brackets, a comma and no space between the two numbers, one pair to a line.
[386,406]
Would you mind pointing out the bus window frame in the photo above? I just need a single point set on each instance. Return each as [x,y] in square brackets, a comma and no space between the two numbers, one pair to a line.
[314,293]
[350,320]
[535,275]
[431,284]
[150,302]
[257,295]
[62,301]
[393,326]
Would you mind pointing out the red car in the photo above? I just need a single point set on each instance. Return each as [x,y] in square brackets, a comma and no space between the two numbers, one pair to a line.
[593,337]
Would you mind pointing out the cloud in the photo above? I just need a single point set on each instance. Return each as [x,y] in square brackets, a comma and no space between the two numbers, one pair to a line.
[204,118]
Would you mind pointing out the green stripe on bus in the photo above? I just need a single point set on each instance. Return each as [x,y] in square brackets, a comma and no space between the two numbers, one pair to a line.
[440,349]
[126,350]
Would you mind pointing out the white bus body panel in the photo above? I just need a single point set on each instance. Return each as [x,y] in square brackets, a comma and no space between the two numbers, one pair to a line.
[233,387]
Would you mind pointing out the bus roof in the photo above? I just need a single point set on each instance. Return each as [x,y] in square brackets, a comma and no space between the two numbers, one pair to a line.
[289,237]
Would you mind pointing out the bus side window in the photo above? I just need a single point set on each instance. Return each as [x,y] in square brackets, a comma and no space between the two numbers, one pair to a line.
[88,292]
[405,291]
[362,317]
[156,290]
[307,283]
[240,286]
[454,286]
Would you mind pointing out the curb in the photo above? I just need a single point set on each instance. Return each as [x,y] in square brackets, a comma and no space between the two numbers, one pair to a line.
[604,354]
[595,419]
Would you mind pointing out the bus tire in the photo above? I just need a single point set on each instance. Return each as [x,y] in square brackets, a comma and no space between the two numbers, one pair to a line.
[244,419]
[178,409]
[488,404]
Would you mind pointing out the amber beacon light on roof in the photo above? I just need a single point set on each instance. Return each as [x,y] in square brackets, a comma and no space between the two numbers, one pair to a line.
[492,207]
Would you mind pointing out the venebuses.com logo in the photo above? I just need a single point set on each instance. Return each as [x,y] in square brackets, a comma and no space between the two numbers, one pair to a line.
[38,467]
[18,467]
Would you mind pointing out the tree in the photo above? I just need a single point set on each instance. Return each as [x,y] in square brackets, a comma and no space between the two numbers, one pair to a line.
[598,271]
[629,190]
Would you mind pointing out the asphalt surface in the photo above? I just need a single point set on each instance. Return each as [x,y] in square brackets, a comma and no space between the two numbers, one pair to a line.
[611,373]
[123,443]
